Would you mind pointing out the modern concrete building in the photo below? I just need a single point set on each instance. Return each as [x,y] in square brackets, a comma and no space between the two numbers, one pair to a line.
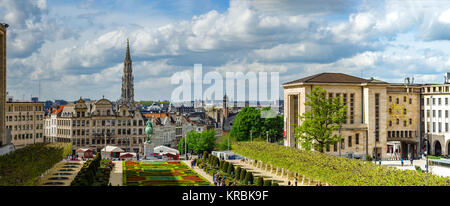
[374,116]
[25,120]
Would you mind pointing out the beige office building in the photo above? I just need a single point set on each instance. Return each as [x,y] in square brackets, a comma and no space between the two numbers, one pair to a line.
[25,120]
[369,124]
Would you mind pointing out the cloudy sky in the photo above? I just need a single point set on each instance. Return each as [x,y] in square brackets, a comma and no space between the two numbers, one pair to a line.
[76,48]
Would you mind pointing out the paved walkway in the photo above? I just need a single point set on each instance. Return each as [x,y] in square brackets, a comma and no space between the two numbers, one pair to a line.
[116,177]
[199,171]
[436,170]
[53,173]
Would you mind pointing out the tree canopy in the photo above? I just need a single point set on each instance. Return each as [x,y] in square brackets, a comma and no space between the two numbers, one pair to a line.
[198,141]
[325,115]
[249,119]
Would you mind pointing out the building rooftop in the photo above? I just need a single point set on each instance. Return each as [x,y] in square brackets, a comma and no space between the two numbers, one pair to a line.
[334,78]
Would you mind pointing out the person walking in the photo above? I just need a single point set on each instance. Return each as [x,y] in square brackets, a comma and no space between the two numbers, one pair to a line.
[295,181]
[412,159]
[401,160]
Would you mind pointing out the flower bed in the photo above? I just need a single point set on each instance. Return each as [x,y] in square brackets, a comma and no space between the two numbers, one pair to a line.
[161,173]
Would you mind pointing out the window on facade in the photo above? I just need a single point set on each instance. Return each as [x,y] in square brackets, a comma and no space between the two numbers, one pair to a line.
[446,127]
[398,121]
[428,101]
[440,127]
[349,141]
[410,101]
[410,121]
[439,101]
[434,101]
[404,123]
[343,143]
[390,98]
[404,111]
[335,147]
[439,113]
[390,123]
[397,101]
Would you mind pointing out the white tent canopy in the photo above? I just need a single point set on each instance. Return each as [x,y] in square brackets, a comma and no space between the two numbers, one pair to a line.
[112,149]
[164,150]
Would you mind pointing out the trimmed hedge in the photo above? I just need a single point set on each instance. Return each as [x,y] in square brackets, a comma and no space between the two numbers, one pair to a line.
[93,173]
[24,167]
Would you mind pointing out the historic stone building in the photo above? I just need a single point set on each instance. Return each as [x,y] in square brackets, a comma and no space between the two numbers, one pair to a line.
[25,120]
[2,83]
[369,124]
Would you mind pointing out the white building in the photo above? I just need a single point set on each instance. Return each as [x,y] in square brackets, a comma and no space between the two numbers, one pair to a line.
[436,109]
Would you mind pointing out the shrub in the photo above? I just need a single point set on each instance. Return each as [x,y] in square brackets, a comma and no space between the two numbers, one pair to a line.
[242,176]
[205,155]
[230,168]
[368,158]
[248,178]
[260,181]
[275,184]
[238,173]
[267,183]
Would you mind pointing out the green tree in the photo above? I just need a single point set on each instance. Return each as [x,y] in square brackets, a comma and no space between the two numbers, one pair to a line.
[248,119]
[317,126]
[198,141]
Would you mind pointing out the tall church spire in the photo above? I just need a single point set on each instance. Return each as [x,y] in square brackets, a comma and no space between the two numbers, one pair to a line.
[127,97]
[127,56]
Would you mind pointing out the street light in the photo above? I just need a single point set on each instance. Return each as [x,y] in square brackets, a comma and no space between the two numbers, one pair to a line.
[267,134]
[185,145]
[375,148]
[340,140]
[426,152]
[251,136]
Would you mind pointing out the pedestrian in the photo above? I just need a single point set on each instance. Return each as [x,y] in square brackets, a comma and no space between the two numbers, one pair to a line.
[295,181]
[289,183]
[412,159]
[401,160]
[319,184]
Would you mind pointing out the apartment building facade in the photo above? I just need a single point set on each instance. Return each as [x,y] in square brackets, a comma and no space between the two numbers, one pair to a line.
[25,120]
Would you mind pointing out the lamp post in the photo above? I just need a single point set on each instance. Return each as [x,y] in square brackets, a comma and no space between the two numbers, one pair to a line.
[375,148]
[251,136]
[267,134]
[340,140]
[185,145]
[426,153]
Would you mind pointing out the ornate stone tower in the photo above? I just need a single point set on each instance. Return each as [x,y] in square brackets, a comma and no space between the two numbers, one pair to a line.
[2,82]
[127,81]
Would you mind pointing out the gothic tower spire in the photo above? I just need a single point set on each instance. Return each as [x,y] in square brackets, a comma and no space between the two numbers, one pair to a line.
[127,97]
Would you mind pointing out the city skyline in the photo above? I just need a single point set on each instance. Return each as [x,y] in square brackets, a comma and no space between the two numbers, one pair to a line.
[77,48]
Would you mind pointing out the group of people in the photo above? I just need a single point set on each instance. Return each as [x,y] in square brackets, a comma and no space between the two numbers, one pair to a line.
[219,180]
[410,159]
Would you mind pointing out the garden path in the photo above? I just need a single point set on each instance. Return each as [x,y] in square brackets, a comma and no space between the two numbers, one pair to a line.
[199,171]
[116,177]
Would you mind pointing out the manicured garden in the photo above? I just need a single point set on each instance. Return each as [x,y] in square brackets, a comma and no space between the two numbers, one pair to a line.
[95,172]
[23,167]
[161,173]
[336,171]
